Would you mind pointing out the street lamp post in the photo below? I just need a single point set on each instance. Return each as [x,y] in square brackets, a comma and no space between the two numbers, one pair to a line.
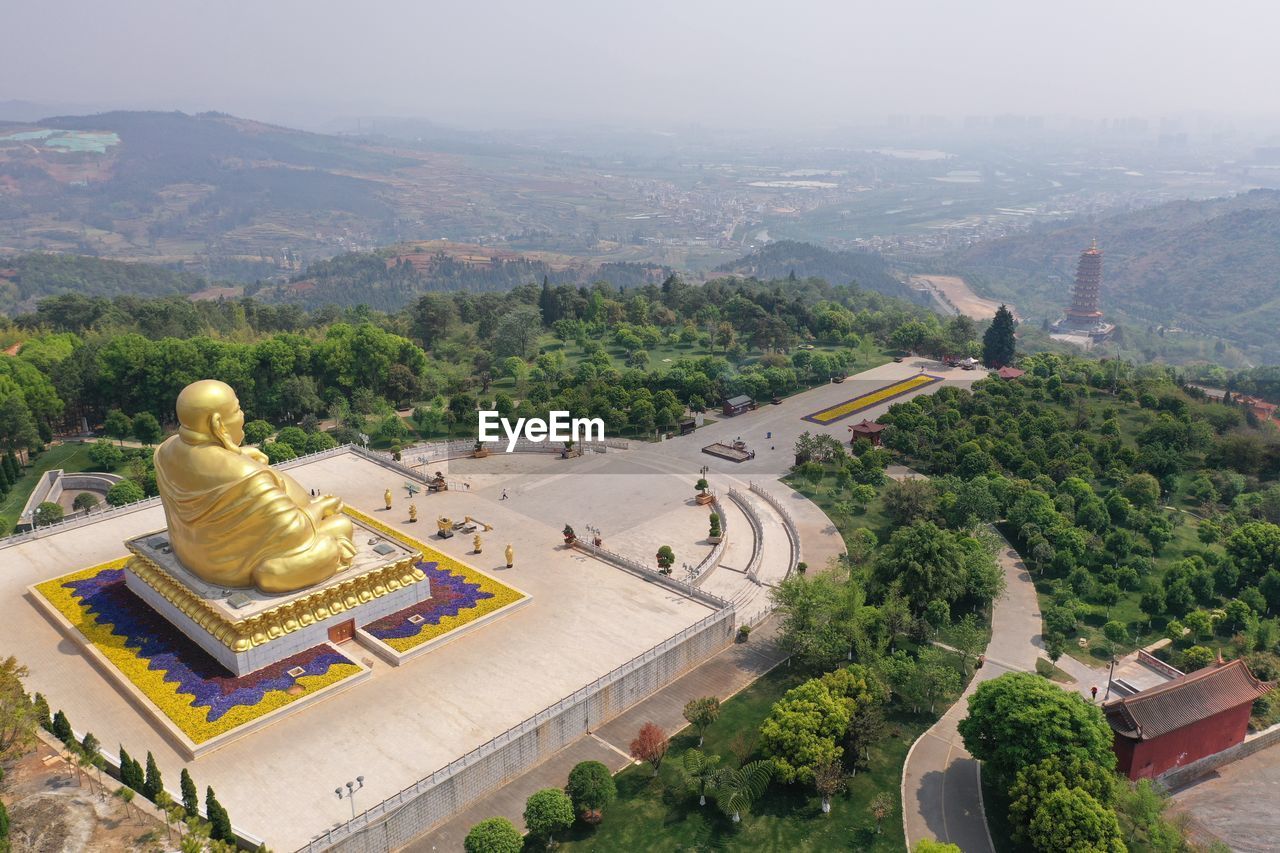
[350,794]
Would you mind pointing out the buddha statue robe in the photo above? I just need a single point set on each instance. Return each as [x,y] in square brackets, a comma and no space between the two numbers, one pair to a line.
[234,520]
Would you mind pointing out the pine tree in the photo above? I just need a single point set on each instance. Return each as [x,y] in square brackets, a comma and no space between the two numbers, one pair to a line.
[62,728]
[998,342]
[152,783]
[190,797]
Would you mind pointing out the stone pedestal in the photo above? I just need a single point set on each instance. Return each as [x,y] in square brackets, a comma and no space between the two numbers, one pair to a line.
[245,629]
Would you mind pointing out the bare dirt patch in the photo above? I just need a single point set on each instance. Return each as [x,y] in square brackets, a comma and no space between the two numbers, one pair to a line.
[51,812]
[954,293]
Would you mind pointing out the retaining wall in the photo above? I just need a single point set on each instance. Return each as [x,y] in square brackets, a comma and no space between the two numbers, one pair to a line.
[422,806]
[1180,777]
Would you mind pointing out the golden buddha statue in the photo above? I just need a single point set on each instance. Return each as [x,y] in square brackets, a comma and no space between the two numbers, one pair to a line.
[233,519]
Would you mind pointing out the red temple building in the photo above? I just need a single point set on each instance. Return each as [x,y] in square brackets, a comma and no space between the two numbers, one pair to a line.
[1183,720]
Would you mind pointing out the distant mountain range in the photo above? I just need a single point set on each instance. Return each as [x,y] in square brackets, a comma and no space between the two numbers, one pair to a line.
[1211,267]
[235,198]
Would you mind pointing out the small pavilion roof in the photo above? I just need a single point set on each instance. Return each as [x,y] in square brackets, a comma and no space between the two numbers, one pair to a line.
[867,427]
[1010,373]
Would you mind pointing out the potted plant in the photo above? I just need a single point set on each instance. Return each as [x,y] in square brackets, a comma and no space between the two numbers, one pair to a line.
[569,535]
[744,631]
[802,567]
[666,559]
[704,497]
[716,534]
[480,450]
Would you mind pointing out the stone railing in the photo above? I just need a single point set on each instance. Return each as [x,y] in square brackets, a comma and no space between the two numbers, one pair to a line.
[757,532]
[792,531]
[1145,657]
[712,559]
[651,574]
[94,517]
[439,451]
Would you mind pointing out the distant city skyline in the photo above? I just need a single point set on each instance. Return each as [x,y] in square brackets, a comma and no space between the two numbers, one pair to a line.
[742,65]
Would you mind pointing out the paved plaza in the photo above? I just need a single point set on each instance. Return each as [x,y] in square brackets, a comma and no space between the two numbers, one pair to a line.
[586,617]
[1237,803]
[404,722]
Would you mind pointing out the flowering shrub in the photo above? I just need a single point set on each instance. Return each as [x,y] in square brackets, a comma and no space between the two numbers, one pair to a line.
[871,398]
[188,685]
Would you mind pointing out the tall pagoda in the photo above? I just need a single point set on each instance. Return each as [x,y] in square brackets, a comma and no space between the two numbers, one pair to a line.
[1084,312]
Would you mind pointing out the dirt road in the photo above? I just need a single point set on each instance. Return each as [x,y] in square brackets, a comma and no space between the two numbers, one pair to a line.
[954,295]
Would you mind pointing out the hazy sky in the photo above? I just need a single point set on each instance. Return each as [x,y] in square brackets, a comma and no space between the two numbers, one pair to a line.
[741,63]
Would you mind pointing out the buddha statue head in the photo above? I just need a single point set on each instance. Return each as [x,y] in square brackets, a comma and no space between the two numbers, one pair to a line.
[209,410]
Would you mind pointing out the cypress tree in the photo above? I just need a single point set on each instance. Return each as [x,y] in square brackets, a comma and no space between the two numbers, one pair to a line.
[998,343]
[190,797]
[547,303]
[131,772]
[62,728]
[41,707]
[219,820]
[137,774]
[124,765]
[152,784]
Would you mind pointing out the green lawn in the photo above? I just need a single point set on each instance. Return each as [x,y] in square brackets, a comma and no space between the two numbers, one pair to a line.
[658,815]
[873,516]
[68,457]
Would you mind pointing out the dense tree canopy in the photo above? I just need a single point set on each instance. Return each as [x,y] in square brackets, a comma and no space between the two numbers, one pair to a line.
[1020,719]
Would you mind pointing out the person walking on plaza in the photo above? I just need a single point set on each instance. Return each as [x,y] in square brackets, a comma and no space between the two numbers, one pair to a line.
[504,495]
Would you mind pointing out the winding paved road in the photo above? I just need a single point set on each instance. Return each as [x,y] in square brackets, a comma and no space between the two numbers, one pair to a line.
[941,788]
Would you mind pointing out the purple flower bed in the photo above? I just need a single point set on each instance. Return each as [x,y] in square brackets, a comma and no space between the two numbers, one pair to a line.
[450,594]
[168,650]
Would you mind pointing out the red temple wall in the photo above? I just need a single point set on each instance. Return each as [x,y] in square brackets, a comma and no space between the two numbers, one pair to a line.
[1149,758]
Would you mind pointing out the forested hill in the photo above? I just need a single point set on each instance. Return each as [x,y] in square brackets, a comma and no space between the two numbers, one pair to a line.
[388,282]
[25,279]
[780,259]
[1207,266]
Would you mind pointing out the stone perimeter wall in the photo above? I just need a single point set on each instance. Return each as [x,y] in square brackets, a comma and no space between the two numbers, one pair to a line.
[419,808]
[1180,777]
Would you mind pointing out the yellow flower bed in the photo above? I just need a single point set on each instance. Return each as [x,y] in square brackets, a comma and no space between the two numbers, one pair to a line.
[866,401]
[501,594]
[179,707]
